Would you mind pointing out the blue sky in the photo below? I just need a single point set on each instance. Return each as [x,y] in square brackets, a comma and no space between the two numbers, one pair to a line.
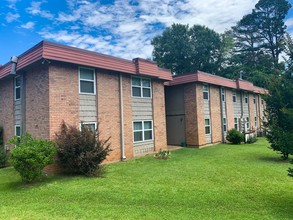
[116,27]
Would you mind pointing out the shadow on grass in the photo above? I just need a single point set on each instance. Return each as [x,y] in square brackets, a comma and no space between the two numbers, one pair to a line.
[273,159]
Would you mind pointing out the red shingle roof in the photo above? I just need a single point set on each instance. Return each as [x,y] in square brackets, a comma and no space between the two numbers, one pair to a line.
[215,80]
[53,51]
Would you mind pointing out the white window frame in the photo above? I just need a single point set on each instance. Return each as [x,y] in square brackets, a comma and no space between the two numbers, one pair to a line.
[87,80]
[17,87]
[143,130]
[88,123]
[209,125]
[254,99]
[142,87]
[224,124]
[236,123]
[223,94]
[15,133]
[205,89]
[234,95]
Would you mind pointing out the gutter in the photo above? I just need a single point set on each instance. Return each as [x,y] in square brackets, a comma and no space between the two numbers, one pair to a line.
[123,157]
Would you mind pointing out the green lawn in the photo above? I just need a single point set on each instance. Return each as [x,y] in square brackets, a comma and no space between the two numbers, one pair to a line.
[219,182]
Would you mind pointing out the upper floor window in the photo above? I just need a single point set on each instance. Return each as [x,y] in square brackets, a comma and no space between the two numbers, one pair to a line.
[254,99]
[223,95]
[87,81]
[142,131]
[234,95]
[245,97]
[205,89]
[17,82]
[141,87]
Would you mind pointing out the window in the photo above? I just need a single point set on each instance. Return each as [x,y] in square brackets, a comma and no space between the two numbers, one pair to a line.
[207,126]
[17,82]
[245,98]
[236,123]
[223,94]
[87,81]
[205,89]
[141,87]
[17,131]
[255,122]
[254,99]
[247,123]
[234,95]
[142,131]
[90,125]
[224,124]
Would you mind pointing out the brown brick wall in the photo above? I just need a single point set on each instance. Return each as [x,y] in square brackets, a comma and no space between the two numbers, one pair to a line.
[229,109]
[127,112]
[63,96]
[216,124]
[159,116]
[191,124]
[200,115]
[6,108]
[109,111]
[37,101]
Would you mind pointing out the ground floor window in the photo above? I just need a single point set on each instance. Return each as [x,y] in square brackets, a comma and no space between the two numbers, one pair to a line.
[247,123]
[17,131]
[236,123]
[255,122]
[90,125]
[224,124]
[207,126]
[142,131]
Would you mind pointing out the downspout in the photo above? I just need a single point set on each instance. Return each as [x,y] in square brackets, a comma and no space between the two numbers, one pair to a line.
[13,61]
[23,103]
[123,157]
[241,117]
[221,109]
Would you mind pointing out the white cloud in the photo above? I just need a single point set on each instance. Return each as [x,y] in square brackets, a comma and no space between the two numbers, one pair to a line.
[12,3]
[35,9]
[28,25]
[127,27]
[10,17]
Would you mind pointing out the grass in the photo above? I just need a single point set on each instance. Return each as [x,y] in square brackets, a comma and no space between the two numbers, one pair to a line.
[219,182]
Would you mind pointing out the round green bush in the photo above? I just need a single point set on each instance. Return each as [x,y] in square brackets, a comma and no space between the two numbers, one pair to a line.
[234,136]
[31,155]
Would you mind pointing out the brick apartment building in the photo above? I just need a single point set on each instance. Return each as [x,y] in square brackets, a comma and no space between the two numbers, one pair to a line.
[53,82]
[201,108]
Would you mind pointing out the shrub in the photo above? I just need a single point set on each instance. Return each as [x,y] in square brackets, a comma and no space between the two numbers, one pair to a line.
[234,136]
[251,139]
[163,155]
[31,155]
[3,157]
[81,151]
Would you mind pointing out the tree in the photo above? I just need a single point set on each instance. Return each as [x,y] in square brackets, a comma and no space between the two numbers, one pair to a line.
[182,49]
[269,21]
[279,114]
[258,41]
